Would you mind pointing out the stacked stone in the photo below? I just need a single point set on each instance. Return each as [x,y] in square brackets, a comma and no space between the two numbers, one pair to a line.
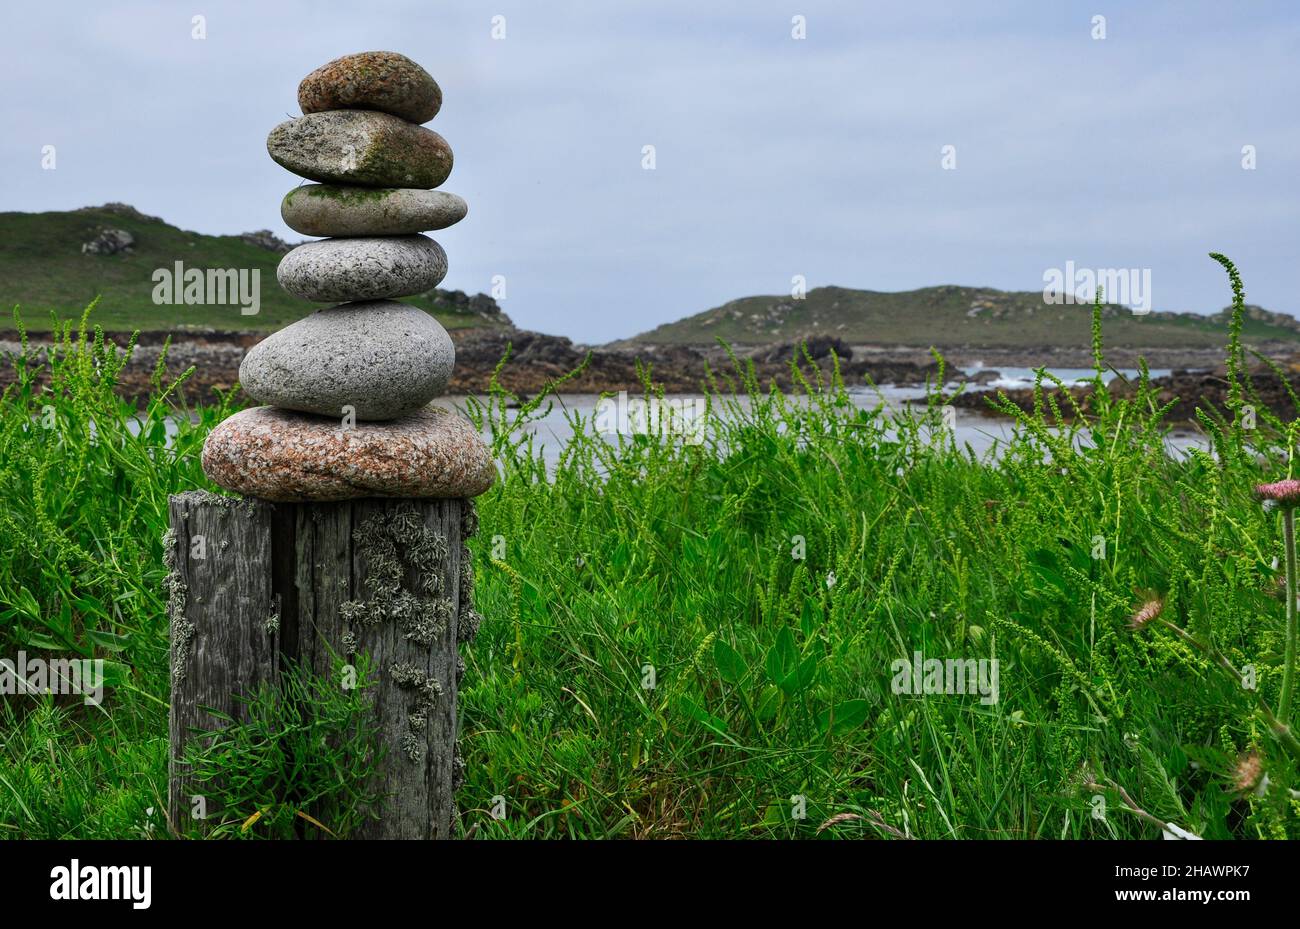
[348,388]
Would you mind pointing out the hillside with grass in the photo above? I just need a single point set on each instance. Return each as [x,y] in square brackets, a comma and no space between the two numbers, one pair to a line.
[61,261]
[950,316]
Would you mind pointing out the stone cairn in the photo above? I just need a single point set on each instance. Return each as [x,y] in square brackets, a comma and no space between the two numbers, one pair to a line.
[349,535]
[348,387]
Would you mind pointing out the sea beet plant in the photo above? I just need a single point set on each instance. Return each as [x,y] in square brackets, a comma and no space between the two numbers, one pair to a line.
[663,655]
[300,760]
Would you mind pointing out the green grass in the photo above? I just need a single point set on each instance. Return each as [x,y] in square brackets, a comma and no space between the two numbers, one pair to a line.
[43,269]
[656,661]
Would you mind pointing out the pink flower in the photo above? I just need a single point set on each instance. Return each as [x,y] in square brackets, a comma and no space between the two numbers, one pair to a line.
[1284,493]
[1145,613]
[1249,771]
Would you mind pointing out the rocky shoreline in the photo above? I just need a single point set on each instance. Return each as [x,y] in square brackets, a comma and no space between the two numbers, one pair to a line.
[535,360]
[1206,389]
[1053,356]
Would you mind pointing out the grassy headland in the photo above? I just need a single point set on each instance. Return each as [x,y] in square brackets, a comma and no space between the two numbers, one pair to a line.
[44,270]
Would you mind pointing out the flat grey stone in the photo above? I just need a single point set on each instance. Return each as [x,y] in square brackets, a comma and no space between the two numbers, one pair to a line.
[366,268]
[383,359]
[361,147]
[332,209]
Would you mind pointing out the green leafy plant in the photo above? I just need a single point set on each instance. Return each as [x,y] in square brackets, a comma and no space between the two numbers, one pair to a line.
[301,757]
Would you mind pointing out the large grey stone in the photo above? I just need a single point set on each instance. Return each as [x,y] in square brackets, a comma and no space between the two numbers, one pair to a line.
[383,359]
[361,147]
[372,81]
[369,268]
[332,209]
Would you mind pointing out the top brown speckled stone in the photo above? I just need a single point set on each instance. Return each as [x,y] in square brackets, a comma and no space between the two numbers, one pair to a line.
[384,81]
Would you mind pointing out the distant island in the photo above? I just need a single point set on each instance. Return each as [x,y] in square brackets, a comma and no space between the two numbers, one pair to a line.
[1012,327]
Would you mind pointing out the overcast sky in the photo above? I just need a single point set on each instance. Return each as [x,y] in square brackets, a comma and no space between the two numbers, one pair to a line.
[774,156]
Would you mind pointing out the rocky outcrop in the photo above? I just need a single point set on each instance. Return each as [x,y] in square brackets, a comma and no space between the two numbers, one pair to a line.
[818,347]
[480,305]
[109,242]
[1186,390]
[1209,390]
[265,238]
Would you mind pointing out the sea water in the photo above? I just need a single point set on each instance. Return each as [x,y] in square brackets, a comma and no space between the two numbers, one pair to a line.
[982,435]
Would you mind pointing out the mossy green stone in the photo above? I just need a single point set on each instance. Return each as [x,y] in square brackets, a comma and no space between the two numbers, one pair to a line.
[358,147]
[332,210]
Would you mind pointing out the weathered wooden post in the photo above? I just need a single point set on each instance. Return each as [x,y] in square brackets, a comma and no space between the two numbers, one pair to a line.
[349,534]
[254,584]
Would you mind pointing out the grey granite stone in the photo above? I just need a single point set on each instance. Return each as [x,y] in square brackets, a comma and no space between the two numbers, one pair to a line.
[382,359]
[368,268]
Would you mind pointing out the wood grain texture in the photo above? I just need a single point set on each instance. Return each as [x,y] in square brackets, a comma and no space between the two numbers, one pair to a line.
[220,643]
[375,575]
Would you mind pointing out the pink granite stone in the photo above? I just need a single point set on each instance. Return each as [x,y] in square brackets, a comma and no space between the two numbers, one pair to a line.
[285,456]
